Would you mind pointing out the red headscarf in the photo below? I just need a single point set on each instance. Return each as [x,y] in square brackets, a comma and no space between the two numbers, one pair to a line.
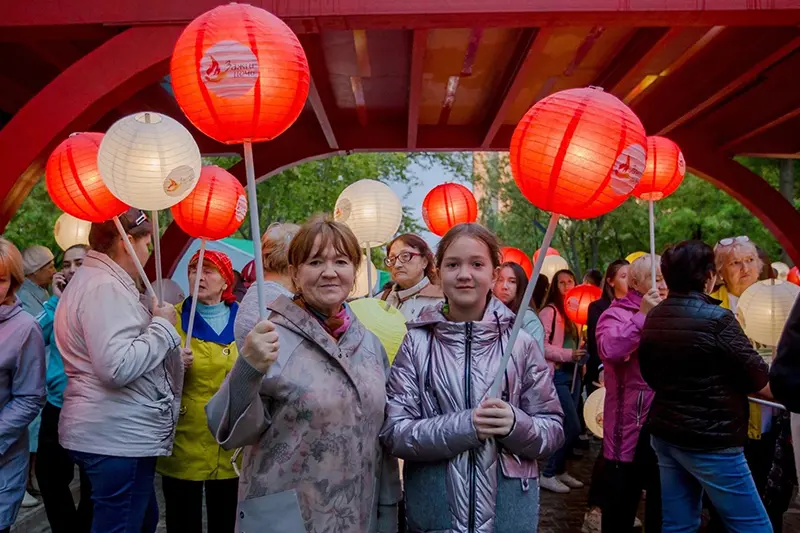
[223,264]
[249,274]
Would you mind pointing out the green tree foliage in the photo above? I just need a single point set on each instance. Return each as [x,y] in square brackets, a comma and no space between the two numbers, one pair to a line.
[697,210]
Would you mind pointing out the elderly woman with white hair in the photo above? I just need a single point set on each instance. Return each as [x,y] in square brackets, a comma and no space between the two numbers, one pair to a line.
[631,464]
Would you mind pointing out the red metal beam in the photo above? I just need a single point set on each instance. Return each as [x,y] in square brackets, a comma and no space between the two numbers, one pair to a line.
[777,138]
[321,94]
[636,53]
[418,46]
[60,54]
[95,84]
[736,84]
[752,191]
[349,14]
[529,46]
[722,63]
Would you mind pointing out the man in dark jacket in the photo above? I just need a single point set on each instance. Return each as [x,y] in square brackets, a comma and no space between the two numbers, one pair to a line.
[702,367]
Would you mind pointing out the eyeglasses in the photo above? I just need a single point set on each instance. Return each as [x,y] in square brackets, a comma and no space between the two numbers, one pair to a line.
[403,258]
[730,241]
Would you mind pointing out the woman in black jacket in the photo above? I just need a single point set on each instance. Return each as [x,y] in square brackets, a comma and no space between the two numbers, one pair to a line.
[697,359]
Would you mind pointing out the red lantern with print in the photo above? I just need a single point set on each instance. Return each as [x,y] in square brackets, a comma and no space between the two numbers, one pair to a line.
[215,208]
[578,153]
[74,182]
[240,74]
[664,171]
[448,205]
[577,300]
[515,255]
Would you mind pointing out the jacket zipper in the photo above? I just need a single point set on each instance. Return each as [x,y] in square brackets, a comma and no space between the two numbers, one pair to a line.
[639,403]
[468,398]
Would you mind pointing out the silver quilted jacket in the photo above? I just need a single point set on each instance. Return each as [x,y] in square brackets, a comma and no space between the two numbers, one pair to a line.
[443,371]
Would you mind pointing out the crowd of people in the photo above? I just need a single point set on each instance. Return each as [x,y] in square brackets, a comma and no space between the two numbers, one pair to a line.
[300,422]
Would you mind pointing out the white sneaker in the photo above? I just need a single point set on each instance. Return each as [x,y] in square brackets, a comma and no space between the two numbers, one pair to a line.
[637,522]
[569,481]
[592,521]
[553,485]
[29,501]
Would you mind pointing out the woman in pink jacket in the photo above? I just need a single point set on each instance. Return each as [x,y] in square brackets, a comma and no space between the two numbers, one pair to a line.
[562,351]
[631,464]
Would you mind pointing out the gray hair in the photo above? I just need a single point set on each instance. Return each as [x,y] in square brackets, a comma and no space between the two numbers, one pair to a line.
[640,275]
[725,254]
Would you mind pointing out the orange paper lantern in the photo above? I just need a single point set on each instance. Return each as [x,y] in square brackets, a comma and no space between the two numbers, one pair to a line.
[448,205]
[74,182]
[793,276]
[664,171]
[578,153]
[239,73]
[215,208]
[515,255]
[577,300]
[550,251]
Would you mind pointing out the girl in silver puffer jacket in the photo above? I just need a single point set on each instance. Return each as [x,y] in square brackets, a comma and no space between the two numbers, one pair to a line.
[470,461]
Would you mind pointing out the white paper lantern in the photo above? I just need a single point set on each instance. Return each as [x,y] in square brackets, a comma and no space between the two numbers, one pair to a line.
[372,210]
[149,161]
[70,231]
[782,269]
[361,286]
[552,264]
[763,309]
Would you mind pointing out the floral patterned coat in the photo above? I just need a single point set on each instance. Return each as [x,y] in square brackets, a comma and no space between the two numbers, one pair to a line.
[312,460]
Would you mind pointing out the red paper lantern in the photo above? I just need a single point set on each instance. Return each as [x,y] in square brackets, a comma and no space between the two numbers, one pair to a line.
[664,171]
[577,300]
[448,205]
[74,182]
[239,73]
[578,153]
[550,251]
[793,276]
[215,208]
[515,255]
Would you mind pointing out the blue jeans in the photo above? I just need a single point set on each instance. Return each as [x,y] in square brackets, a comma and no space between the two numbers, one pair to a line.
[723,475]
[557,464]
[123,493]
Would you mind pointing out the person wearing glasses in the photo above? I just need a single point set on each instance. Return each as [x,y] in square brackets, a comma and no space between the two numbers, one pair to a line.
[415,282]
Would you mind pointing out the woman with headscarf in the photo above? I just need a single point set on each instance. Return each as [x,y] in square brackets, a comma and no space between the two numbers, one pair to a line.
[198,465]
[306,399]
[415,281]
[22,383]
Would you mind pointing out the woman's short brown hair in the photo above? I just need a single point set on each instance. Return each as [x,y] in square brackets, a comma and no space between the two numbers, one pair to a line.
[11,262]
[476,231]
[275,247]
[418,243]
[102,236]
[330,233]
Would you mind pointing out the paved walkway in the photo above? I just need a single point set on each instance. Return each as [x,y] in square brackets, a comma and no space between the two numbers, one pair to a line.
[559,513]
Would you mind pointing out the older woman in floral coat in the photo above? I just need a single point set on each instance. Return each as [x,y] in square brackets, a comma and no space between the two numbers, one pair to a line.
[306,399]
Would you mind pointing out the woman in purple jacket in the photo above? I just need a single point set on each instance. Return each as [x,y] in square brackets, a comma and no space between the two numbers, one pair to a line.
[631,464]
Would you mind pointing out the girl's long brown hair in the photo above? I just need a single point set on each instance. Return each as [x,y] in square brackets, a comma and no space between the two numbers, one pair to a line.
[476,231]
[556,299]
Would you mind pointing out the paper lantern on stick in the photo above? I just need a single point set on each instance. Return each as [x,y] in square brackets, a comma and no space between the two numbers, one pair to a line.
[149,161]
[215,208]
[515,255]
[70,231]
[552,264]
[578,153]
[664,171]
[793,276]
[239,73]
[550,251]
[372,210]
[577,300]
[382,319]
[763,309]
[781,270]
[74,182]
[364,278]
[448,205]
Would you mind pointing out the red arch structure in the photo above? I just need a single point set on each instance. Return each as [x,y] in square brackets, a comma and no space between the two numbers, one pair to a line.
[718,77]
